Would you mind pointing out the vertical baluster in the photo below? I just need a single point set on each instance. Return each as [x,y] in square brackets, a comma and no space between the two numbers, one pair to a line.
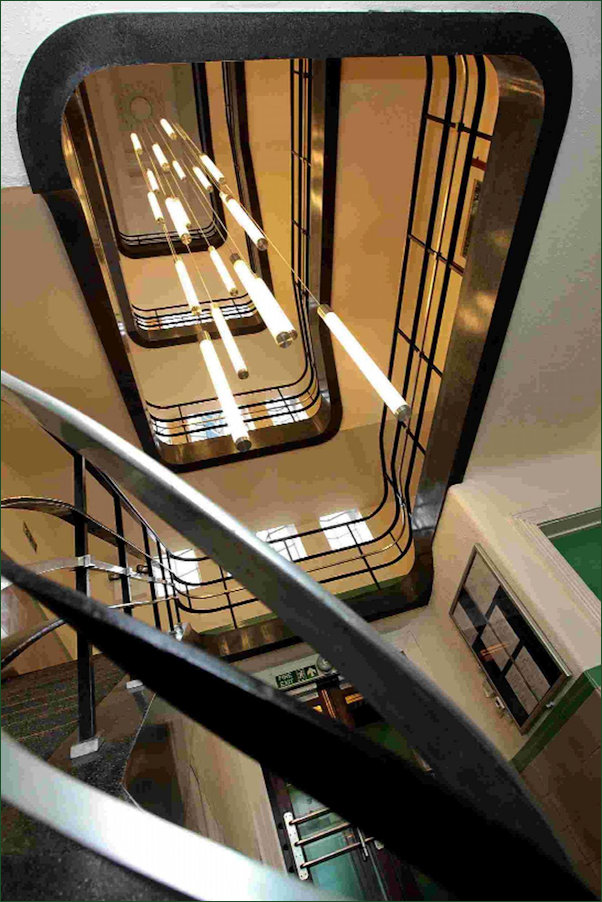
[153,591]
[166,597]
[174,589]
[126,597]
[86,696]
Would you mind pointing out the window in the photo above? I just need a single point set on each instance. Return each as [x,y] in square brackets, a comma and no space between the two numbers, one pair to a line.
[285,410]
[185,569]
[341,533]
[211,425]
[285,540]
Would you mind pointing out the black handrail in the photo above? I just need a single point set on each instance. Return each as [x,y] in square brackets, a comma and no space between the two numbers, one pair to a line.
[325,758]
[466,763]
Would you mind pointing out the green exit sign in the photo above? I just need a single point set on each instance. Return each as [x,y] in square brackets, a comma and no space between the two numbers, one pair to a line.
[292,677]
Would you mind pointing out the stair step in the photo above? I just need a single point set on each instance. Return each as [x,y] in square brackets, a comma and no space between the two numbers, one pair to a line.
[40,708]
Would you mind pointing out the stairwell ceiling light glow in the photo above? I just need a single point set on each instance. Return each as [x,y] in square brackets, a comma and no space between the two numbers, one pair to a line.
[178,170]
[379,382]
[245,221]
[202,178]
[236,358]
[276,320]
[233,416]
[160,157]
[136,143]
[187,286]
[167,128]
[222,269]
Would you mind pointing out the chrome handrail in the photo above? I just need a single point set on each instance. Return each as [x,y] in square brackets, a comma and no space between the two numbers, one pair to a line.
[464,759]
[187,862]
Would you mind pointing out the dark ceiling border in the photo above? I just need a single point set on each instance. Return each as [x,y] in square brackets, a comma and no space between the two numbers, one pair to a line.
[93,42]
[88,44]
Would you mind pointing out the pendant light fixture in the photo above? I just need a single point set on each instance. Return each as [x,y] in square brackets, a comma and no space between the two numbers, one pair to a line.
[236,358]
[270,311]
[160,157]
[276,320]
[179,219]
[151,178]
[232,414]
[187,286]
[202,178]
[167,128]
[136,143]
[375,376]
[212,169]
[244,220]
[155,207]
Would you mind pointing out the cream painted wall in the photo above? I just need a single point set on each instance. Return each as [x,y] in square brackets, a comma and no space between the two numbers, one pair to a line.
[48,337]
[426,637]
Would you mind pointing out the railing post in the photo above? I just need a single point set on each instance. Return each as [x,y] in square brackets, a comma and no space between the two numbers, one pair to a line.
[86,700]
[153,591]
[174,588]
[126,596]
[165,597]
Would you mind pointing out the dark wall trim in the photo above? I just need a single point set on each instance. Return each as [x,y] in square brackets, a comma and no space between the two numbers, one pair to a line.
[88,44]
[122,39]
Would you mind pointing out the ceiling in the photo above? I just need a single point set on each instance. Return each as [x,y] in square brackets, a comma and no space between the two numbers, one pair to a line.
[545,394]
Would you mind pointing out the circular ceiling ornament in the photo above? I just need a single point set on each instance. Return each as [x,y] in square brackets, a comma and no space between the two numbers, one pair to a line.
[138,102]
[141,108]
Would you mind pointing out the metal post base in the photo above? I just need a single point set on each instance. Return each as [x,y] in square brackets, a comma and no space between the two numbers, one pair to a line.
[133,685]
[87,747]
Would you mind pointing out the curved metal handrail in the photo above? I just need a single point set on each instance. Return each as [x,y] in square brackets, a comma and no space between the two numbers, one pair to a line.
[468,767]
[67,512]
[193,865]
[14,645]
[208,690]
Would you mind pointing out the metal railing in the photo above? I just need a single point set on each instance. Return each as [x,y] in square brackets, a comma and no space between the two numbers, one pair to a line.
[474,788]
[434,249]
[180,422]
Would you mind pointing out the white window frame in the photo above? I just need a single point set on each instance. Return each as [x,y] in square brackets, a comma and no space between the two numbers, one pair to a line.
[285,541]
[187,570]
[285,410]
[341,533]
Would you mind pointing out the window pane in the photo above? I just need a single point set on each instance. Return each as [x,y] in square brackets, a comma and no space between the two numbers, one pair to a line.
[285,540]
[341,533]
[185,569]
[286,410]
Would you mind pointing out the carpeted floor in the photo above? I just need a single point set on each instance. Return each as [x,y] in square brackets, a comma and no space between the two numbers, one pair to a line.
[40,708]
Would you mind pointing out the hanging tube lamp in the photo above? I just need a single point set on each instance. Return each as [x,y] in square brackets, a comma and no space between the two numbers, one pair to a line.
[160,158]
[168,129]
[222,269]
[179,219]
[236,358]
[244,220]
[276,320]
[187,286]
[233,416]
[375,376]
[212,169]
